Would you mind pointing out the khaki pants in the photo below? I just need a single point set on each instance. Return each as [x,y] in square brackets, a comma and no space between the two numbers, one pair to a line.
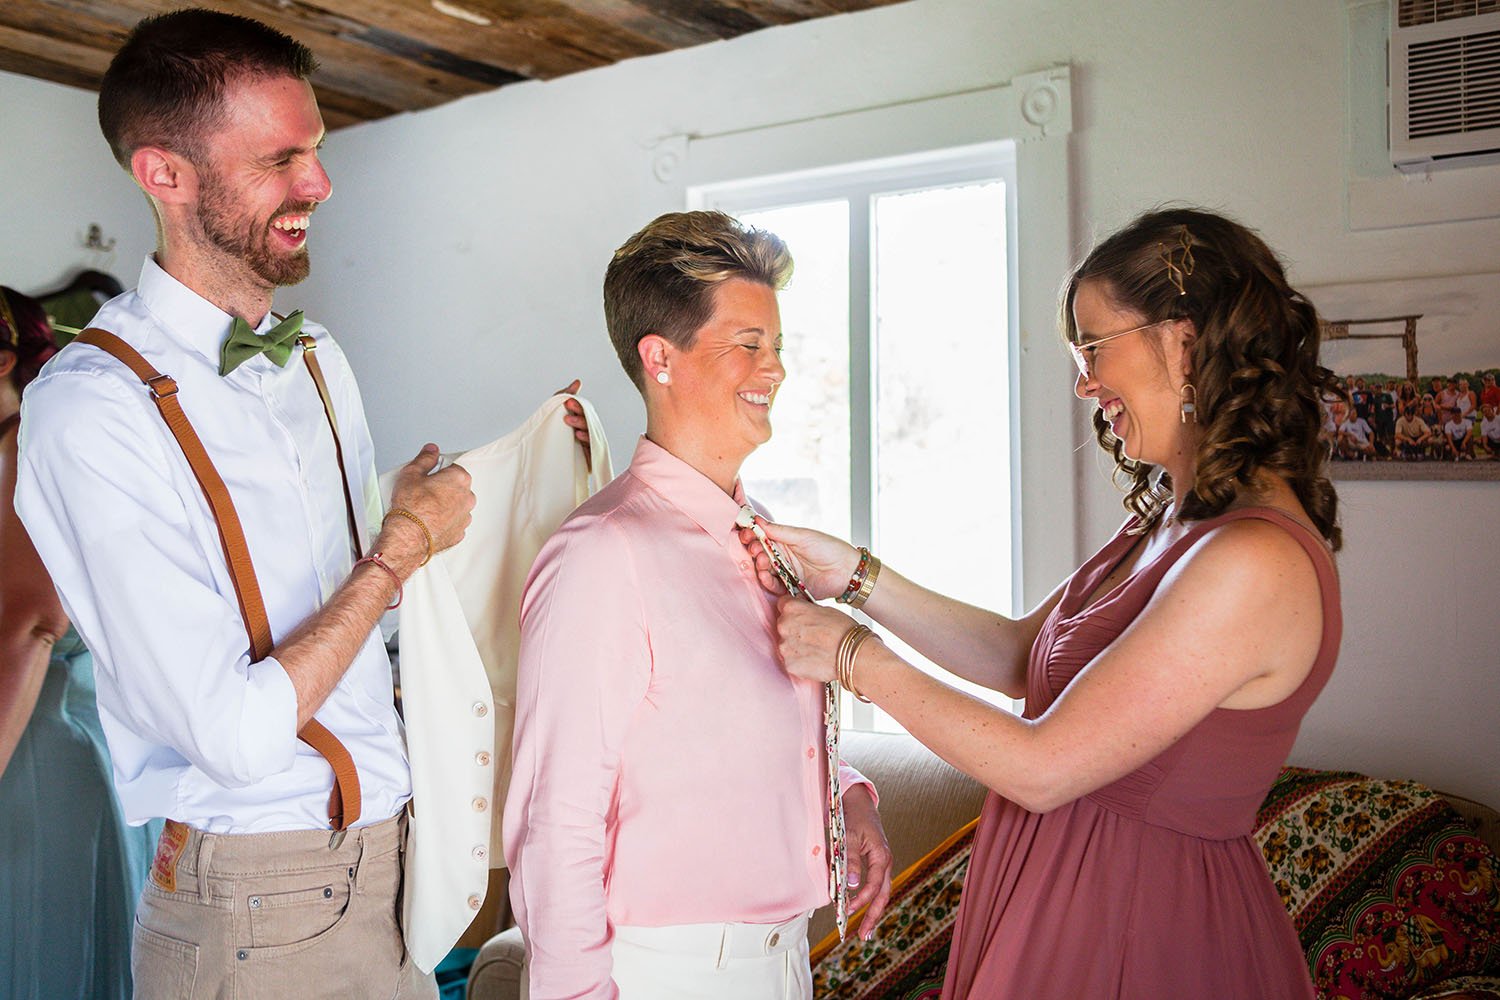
[279,915]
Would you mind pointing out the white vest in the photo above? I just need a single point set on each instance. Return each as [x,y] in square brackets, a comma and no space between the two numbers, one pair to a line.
[460,638]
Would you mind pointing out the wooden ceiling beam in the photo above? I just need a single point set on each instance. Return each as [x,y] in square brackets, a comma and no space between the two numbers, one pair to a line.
[774,12]
[76,28]
[24,63]
[378,57]
[509,42]
[640,21]
[717,19]
[347,63]
[88,62]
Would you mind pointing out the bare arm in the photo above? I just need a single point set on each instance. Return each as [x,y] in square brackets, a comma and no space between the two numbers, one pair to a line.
[31,616]
[978,645]
[1202,643]
[318,652]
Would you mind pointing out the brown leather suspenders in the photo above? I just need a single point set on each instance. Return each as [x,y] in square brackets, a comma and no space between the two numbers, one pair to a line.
[343,801]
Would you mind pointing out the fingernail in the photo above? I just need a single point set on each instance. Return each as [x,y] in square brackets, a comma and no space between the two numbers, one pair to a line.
[868,935]
[854,881]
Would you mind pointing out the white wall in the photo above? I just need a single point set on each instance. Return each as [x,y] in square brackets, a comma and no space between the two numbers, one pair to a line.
[486,225]
[460,260]
[56,178]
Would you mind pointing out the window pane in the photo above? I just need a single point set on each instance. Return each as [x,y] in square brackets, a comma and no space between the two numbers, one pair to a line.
[802,474]
[942,412]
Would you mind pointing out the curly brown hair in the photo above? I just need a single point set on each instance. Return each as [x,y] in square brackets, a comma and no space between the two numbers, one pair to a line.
[1260,386]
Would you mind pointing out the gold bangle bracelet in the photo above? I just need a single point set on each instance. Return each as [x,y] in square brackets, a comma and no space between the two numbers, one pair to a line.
[840,657]
[414,519]
[867,587]
[844,658]
[853,655]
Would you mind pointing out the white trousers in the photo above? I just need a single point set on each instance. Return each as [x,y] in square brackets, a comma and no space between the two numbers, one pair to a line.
[718,961]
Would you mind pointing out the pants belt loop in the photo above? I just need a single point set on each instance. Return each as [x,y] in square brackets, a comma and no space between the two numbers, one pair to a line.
[363,833]
[205,858]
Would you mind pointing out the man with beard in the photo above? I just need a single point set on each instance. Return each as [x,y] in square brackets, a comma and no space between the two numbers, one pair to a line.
[229,579]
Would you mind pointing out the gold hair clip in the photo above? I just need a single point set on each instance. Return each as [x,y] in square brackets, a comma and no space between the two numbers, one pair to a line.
[1178,271]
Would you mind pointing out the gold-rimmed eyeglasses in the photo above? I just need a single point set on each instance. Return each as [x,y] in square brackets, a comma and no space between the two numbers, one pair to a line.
[1083,354]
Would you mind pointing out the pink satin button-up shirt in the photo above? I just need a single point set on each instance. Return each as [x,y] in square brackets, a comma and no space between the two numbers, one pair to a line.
[667,771]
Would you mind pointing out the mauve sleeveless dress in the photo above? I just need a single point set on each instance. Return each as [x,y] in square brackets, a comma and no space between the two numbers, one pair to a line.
[1150,887]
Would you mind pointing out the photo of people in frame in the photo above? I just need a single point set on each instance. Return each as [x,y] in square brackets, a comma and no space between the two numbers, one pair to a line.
[1420,361]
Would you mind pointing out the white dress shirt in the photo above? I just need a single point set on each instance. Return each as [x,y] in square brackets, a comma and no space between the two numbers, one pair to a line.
[460,641]
[198,732]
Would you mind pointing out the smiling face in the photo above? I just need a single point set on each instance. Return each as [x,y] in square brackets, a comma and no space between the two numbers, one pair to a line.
[716,404]
[260,182]
[1134,380]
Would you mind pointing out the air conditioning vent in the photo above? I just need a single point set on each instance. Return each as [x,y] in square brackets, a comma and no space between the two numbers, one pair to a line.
[1445,81]
[1453,85]
[1410,13]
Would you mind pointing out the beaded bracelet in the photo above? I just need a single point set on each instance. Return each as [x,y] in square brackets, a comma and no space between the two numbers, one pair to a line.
[374,559]
[866,586]
[858,579]
[414,519]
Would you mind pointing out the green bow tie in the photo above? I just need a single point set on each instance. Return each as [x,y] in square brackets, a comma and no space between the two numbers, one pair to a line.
[244,343]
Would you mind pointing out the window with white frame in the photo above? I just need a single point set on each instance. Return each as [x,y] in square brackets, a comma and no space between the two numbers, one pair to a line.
[893,428]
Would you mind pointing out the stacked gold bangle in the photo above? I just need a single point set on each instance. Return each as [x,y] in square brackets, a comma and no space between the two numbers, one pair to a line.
[844,658]
[414,519]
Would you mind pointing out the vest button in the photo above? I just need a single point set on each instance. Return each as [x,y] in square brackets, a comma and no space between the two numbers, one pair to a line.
[482,758]
[480,803]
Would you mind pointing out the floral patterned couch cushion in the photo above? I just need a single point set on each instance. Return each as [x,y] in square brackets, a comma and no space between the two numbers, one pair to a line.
[1391,893]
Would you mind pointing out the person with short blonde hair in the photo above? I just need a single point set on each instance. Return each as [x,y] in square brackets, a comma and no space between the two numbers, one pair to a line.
[665,822]
[663,279]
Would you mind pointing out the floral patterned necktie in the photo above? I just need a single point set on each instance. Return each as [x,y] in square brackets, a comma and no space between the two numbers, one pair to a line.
[838,848]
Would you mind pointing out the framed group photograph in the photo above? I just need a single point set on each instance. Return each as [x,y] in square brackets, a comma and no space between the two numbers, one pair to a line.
[1420,360]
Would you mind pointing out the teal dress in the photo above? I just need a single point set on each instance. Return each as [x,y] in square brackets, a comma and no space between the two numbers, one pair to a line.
[70,869]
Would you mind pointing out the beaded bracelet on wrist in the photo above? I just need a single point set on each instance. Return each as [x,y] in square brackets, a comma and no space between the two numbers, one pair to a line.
[866,586]
[858,579]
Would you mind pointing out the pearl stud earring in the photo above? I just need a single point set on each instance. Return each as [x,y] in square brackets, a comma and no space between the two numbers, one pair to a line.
[663,377]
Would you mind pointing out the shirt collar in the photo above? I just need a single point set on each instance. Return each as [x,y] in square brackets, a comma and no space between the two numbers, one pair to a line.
[187,317]
[687,489]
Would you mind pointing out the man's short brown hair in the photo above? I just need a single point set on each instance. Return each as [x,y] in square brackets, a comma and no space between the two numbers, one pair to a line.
[662,279]
[165,87]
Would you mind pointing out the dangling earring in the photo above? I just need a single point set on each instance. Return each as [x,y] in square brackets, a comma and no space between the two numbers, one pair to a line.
[663,377]
[1188,398]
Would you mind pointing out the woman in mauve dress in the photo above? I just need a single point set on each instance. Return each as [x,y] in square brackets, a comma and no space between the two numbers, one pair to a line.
[1165,680]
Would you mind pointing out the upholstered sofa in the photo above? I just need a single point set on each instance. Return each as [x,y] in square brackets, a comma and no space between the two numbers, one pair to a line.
[1394,888]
